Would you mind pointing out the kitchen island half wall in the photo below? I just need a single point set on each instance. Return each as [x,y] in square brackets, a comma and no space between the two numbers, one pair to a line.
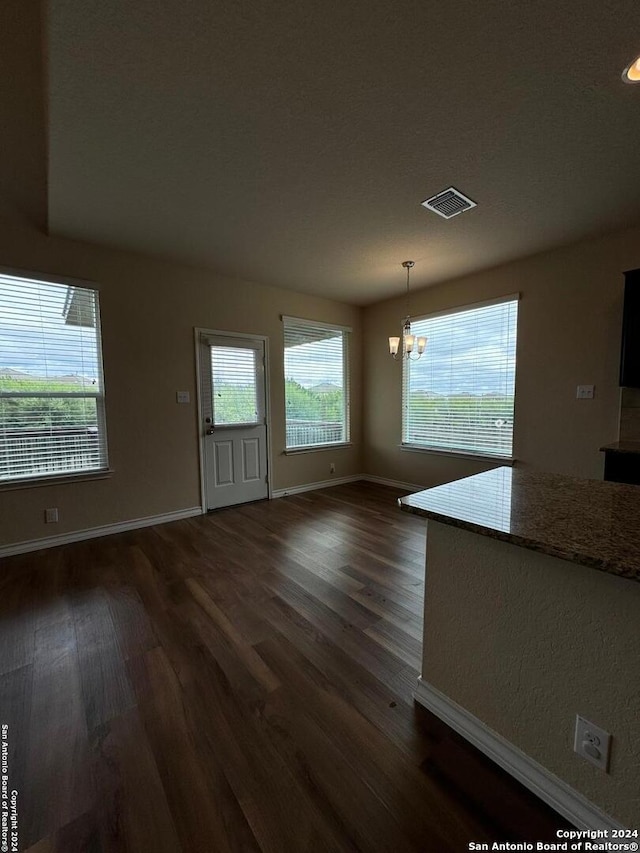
[532,616]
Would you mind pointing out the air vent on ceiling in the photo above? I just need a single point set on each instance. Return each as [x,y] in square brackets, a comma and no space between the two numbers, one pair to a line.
[449,203]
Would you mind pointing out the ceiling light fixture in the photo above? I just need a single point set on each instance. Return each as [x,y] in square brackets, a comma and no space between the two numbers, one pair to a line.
[631,73]
[411,348]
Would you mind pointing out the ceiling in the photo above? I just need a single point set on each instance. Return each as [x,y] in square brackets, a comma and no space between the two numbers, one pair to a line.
[291,142]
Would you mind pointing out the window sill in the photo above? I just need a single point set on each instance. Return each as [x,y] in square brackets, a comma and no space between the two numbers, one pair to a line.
[61,479]
[311,448]
[458,454]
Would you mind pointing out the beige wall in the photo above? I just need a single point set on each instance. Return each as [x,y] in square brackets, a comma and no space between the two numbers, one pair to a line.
[525,642]
[569,330]
[149,311]
[23,164]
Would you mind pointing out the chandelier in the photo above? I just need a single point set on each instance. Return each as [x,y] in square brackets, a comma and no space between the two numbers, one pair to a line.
[411,347]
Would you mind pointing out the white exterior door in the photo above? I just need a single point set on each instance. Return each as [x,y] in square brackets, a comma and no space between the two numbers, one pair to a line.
[233,420]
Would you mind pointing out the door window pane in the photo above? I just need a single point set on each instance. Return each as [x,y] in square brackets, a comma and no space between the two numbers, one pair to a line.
[235,392]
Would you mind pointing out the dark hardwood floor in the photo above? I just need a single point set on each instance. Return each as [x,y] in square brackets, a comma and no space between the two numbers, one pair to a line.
[240,681]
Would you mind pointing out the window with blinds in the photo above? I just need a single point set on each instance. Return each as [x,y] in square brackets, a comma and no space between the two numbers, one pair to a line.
[316,383]
[235,387]
[52,419]
[460,395]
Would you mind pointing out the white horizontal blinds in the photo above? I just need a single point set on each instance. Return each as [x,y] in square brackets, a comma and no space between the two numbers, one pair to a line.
[235,392]
[315,383]
[51,386]
[460,394]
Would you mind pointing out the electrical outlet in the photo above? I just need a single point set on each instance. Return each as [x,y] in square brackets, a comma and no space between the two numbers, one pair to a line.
[585,392]
[51,515]
[332,467]
[183,397]
[593,743]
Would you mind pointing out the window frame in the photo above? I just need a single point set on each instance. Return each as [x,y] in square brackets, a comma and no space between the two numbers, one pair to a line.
[463,453]
[81,474]
[345,332]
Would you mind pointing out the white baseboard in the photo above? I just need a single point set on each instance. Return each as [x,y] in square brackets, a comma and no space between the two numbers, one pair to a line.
[544,784]
[95,532]
[148,521]
[396,484]
[337,481]
[309,487]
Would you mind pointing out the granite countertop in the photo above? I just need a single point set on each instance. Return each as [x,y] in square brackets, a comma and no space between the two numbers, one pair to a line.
[622,447]
[590,522]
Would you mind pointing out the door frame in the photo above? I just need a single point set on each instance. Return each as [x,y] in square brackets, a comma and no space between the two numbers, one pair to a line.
[197,332]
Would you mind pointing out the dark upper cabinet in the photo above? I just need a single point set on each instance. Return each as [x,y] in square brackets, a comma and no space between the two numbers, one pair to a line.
[630,355]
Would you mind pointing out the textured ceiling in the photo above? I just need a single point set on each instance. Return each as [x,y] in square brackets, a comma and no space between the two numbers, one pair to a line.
[292,142]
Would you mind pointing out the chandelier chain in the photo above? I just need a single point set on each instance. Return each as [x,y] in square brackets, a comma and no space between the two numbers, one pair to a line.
[408,265]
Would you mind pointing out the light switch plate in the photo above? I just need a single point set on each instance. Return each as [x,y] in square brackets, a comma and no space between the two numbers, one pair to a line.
[585,392]
[183,397]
